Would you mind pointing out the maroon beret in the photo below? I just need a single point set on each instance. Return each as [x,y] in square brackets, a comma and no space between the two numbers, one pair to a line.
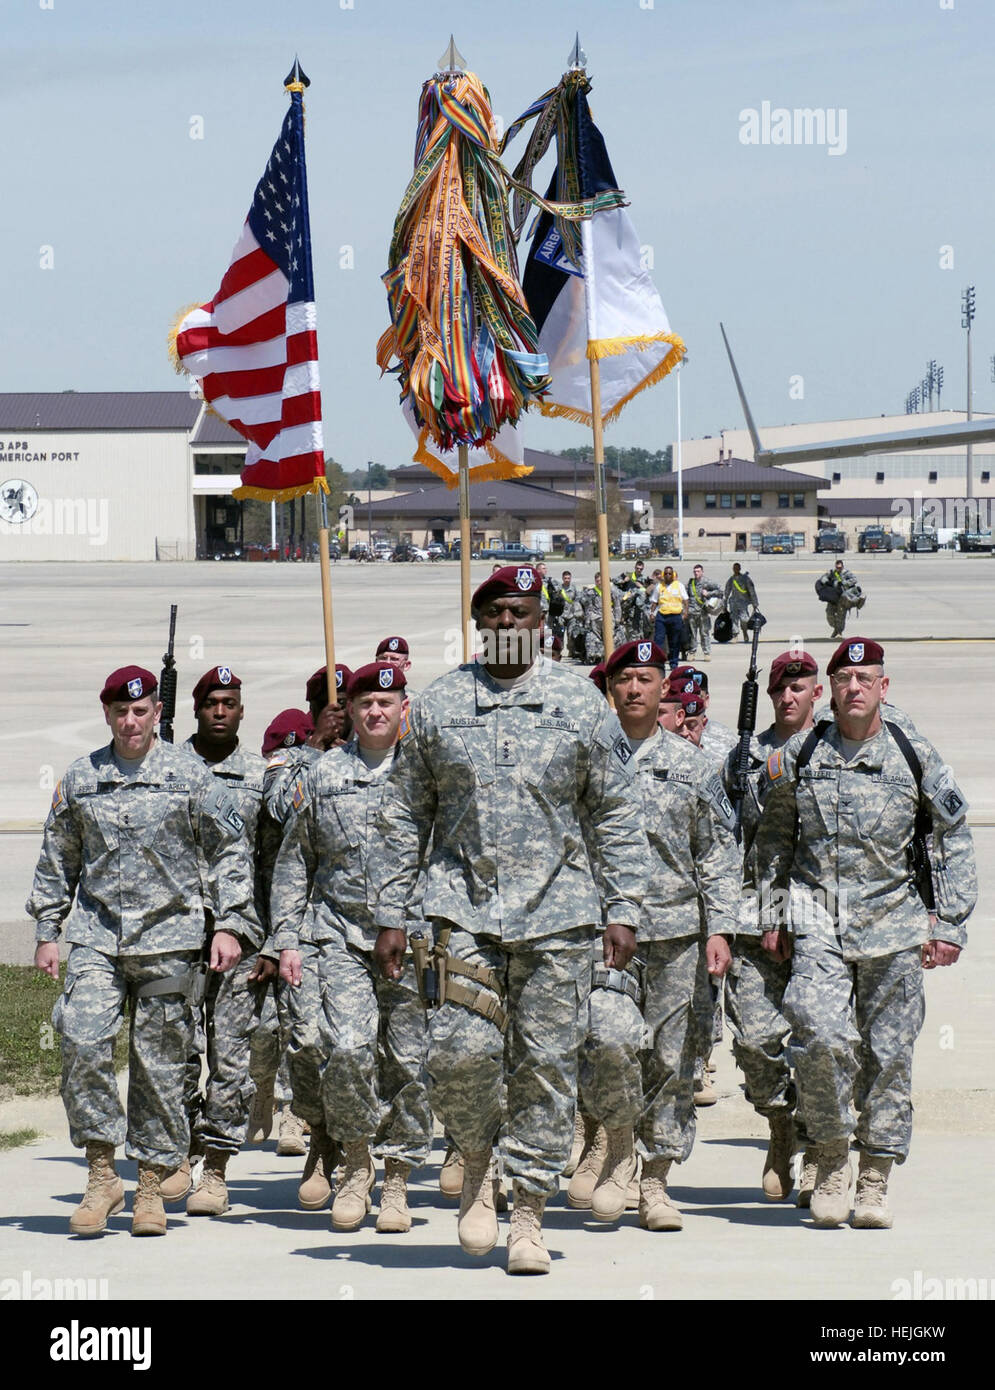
[393,644]
[510,579]
[557,643]
[689,672]
[634,654]
[217,678]
[378,675]
[788,666]
[597,674]
[317,686]
[857,651]
[289,728]
[128,683]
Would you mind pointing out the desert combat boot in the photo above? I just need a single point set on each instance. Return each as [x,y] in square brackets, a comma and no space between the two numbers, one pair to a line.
[148,1215]
[806,1180]
[777,1178]
[104,1194]
[831,1197]
[177,1184]
[870,1206]
[394,1216]
[316,1181]
[588,1170]
[352,1195]
[526,1252]
[577,1147]
[656,1211]
[210,1196]
[478,1227]
[609,1197]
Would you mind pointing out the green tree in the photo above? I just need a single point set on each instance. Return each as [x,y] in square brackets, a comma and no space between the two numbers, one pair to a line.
[633,462]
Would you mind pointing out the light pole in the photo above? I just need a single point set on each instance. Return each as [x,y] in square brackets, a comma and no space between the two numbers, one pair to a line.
[967,318]
[369,505]
[939,385]
[680,477]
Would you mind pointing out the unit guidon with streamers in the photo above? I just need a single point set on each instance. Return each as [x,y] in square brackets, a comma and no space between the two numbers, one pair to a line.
[254,346]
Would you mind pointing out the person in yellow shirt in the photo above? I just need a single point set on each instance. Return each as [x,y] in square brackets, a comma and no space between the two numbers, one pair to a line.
[671,612]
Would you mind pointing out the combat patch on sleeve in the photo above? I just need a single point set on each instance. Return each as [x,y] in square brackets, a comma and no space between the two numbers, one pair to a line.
[622,750]
[714,794]
[59,802]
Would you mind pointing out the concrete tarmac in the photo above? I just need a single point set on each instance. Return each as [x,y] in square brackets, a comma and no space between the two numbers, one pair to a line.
[65,627]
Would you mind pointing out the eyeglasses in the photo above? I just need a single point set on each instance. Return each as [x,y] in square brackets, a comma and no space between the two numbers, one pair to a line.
[864,678]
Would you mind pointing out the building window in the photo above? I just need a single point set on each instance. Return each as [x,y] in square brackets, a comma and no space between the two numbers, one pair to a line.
[837,477]
[725,501]
[879,477]
[783,502]
[667,501]
[932,476]
[756,501]
[740,501]
[986,476]
[799,500]
[711,501]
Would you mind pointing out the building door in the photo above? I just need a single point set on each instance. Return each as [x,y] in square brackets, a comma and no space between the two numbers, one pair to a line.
[740,540]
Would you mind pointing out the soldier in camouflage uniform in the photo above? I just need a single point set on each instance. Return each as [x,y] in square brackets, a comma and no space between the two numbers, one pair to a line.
[573,616]
[755,984]
[324,857]
[594,637]
[848,593]
[740,599]
[147,844]
[838,893]
[283,792]
[234,1002]
[488,788]
[699,619]
[638,1061]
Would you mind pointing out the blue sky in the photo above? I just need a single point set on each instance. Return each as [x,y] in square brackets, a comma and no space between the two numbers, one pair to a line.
[821,266]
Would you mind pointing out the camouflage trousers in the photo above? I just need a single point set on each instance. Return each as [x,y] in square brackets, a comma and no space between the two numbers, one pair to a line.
[268,1052]
[305,1046]
[375,1036]
[88,1016]
[232,1009]
[544,987]
[638,1067]
[699,627]
[755,988]
[853,1029]
[836,616]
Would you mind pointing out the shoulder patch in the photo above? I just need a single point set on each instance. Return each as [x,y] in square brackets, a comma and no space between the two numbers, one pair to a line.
[622,750]
[298,798]
[59,802]
[774,765]
[943,794]
[277,760]
[714,794]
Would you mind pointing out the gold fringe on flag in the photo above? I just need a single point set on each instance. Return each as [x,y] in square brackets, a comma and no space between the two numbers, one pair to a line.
[500,469]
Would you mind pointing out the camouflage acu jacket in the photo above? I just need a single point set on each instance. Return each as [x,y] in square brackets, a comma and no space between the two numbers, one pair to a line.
[845,862]
[694,878]
[143,858]
[495,779]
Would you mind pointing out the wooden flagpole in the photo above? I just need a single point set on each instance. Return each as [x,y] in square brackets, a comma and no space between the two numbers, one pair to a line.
[464,548]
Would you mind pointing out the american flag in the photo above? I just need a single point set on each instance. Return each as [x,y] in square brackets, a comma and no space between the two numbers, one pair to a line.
[254,347]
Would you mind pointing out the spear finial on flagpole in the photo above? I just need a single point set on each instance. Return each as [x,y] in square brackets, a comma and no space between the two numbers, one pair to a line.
[578,58]
[296,79]
[452,60]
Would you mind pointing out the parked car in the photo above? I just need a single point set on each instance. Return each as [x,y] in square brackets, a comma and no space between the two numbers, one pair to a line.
[511,551]
[873,538]
[974,540]
[831,539]
[782,544]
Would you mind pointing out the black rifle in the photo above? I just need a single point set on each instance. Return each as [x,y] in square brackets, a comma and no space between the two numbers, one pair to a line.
[167,683]
[747,722]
